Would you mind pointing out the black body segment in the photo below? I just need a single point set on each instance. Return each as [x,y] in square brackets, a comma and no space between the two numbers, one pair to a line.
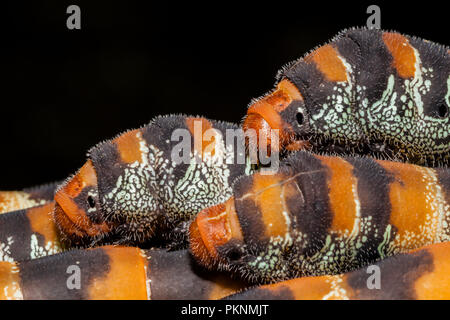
[28,234]
[418,275]
[366,92]
[146,184]
[113,272]
[322,215]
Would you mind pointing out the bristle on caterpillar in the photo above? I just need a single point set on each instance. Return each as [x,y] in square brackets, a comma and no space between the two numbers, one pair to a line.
[322,215]
[417,275]
[113,273]
[27,198]
[367,91]
[140,187]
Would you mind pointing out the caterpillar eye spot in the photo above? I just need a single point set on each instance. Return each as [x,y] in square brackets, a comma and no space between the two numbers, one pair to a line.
[442,111]
[234,255]
[91,202]
[300,118]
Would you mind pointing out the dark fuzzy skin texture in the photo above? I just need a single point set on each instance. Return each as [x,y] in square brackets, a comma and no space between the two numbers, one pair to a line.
[372,66]
[28,197]
[160,204]
[116,272]
[188,279]
[47,278]
[314,241]
[412,123]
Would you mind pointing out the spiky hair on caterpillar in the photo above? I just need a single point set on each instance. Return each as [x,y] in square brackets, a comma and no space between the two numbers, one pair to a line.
[322,215]
[132,190]
[417,275]
[113,272]
[367,91]
[27,198]
[28,234]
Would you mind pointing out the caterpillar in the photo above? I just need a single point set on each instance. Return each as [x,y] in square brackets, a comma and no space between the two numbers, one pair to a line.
[28,234]
[27,198]
[132,191]
[27,230]
[421,274]
[113,272]
[322,215]
[366,92]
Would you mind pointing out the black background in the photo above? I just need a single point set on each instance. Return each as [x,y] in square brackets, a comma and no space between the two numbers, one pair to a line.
[65,90]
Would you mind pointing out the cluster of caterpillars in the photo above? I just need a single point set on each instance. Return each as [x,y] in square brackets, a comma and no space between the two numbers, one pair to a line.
[327,212]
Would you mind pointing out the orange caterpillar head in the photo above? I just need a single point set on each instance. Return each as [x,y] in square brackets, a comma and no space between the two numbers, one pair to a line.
[77,211]
[222,238]
[273,112]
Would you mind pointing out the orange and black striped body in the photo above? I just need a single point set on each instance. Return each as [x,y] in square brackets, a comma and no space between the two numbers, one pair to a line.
[26,198]
[112,272]
[144,185]
[367,92]
[28,234]
[323,215]
[421,275]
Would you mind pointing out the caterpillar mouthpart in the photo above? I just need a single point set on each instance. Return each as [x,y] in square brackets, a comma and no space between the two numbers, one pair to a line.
[213,228]
[76,210]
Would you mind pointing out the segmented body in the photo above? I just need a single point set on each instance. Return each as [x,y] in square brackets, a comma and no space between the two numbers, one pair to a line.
[27,198]
[421,275]
[365,92]
[323,215]
[28,234]
[133,185]
[112,273]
